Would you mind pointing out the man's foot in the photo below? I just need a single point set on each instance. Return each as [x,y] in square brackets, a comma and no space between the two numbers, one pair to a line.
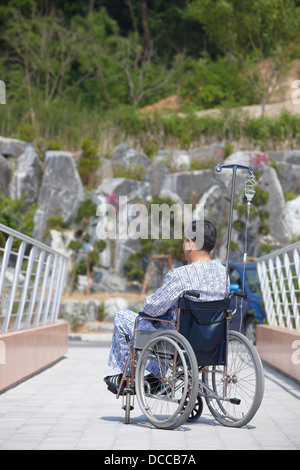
[113,382]
[154,382]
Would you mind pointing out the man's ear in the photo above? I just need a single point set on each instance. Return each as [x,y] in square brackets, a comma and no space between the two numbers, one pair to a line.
[189,244]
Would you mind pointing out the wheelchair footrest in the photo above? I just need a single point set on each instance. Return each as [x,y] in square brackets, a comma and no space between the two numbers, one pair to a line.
[235,401]
[112,387]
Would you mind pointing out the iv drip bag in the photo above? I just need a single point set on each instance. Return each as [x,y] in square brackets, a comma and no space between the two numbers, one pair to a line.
[250,186]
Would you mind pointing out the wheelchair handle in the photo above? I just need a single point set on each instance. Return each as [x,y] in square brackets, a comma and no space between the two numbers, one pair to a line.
[240,294]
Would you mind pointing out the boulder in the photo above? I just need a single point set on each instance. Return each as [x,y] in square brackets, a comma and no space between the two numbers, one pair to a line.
[88,308]
[180,160]
[27,176]
[134,190]
[113,305]
[156,175]
[12,147]
[4,176]
[60,241]
[188,182]
[213,151]
[129,157]
[61,191]
[293,156]
[292,214]
[277,222]
[104,280]
[289,176]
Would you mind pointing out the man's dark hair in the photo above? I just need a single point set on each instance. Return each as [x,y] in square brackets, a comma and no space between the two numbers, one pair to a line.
[209,236]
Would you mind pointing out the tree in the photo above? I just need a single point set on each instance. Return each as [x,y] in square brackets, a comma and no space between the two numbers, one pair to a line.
[143,74]
[44,50]
[260,37]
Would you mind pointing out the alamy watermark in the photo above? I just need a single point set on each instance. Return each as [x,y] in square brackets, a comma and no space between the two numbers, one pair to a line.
[296,93]
[122,220]
[296,353]
[2,92]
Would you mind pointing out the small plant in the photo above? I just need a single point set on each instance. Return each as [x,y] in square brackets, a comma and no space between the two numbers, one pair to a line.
[101,314]
[134,172]
[76,320]
[88,162]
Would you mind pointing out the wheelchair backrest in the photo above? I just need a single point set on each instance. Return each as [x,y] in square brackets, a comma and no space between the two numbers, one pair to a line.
[204,324]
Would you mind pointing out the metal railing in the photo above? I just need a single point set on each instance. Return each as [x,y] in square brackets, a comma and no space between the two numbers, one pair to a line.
[32,278]
[279,275]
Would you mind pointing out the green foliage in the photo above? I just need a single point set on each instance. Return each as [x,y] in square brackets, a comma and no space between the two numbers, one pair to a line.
[75,319]
[101,313]
[86,210]
[26,132]
[207,83]
[88,161]
[260,30]
[134,266]
[136,172]
[75,245]
[16,214]
[77,69]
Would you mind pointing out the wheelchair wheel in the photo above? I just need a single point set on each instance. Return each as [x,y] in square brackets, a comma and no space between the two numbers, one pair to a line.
[172,358]
[196,411]
[242,385]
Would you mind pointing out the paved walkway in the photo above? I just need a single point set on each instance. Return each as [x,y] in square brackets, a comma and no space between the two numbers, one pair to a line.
[68,407]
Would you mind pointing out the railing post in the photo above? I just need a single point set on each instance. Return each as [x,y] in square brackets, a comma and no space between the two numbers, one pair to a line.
[35,289]
[38,296]
[5,259]
[43,289]
[281,293]
[52,279]
[25,287]
[14,286]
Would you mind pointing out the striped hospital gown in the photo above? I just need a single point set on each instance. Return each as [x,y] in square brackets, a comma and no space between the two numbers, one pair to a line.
[206,277]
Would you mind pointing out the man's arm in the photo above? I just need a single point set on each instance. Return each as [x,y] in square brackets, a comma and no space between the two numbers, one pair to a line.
[165,297]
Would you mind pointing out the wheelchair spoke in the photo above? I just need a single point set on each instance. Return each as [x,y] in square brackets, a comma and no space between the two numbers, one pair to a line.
[238,387]
[171,360]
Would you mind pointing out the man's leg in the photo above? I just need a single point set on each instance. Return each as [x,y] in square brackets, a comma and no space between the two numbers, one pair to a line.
[122,339]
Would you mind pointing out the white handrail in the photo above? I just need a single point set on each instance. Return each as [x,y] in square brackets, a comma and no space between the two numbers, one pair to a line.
[31,282]
[279,275]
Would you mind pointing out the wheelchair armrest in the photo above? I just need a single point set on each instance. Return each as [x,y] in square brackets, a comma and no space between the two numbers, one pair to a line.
[162,317]
[192,293]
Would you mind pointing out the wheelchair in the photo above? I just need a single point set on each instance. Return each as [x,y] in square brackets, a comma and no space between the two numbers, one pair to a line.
[198,358]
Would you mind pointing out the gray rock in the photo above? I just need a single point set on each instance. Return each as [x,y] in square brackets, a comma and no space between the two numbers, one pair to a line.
[293,156]
[104,170]
[89,309]
[129,157]
[4,176]
[134,190]
[186,183]
[289,176]
[12,147]
[103,280]
[156,175]
[61,191]
[276,205]
[292,214]
[209,152]
[113,305]
[279,156]
[27,176]
[282,156]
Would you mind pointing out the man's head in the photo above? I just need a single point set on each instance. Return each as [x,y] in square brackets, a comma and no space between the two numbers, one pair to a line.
[200,235]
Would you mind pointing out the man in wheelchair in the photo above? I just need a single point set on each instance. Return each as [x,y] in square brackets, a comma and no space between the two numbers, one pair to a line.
[201,274]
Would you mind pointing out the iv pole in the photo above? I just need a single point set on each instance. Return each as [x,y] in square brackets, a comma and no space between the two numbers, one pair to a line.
[234,168]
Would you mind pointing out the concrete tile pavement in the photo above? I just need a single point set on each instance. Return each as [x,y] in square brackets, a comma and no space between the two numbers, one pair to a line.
[68,407]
